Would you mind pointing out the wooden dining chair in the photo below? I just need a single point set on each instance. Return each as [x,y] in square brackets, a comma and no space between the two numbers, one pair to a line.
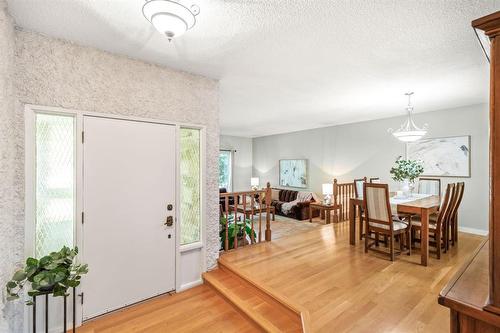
[358,194]
[379,220]
[429,186]
[375,180]
[437,223]
[452,228]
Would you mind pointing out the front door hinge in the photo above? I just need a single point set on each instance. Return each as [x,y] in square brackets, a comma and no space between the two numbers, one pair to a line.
[83,136]
[83,217]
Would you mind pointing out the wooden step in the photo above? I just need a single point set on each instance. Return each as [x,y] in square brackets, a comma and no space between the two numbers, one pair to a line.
[267,313]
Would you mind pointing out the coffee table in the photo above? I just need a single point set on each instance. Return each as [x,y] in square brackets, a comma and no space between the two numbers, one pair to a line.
[324,211]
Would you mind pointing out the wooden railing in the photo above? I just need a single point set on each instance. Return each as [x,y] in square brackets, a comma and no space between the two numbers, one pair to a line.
[341,195]
[241,217]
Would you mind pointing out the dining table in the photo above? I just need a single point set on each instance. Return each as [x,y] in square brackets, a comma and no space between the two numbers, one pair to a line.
[420,204]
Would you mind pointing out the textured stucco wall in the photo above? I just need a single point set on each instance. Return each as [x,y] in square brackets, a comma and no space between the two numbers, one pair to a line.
[11,174]
[53,72]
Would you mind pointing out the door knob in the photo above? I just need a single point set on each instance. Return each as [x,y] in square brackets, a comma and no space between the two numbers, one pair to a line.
[169,221]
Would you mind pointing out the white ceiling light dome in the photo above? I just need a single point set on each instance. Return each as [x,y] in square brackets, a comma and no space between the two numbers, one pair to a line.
[170,18]
[409,132]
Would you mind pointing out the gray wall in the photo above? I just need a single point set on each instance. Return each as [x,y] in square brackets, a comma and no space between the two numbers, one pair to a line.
[53,72]
[242,160]
[366,149]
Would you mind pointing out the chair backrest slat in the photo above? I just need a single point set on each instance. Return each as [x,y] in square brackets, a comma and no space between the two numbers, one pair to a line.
[445,209]
[377,205]
[429,186]
[457,199]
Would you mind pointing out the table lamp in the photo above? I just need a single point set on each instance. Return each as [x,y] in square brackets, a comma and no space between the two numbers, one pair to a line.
[254,182]
[327,192]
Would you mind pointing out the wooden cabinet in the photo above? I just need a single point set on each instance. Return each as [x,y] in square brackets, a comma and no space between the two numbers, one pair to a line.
[473,296]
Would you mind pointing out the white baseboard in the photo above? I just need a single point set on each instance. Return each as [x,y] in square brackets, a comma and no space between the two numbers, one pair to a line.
[190,285]
[474,231]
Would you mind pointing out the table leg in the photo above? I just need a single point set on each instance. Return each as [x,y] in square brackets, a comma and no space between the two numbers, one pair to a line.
[310,214]
[424,237]
[352,223]
[327,216]
[322,214]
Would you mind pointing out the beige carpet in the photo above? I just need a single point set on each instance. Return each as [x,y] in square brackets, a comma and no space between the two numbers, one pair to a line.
[284,226]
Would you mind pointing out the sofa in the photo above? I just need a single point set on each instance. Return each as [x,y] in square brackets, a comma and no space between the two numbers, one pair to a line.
[299,211]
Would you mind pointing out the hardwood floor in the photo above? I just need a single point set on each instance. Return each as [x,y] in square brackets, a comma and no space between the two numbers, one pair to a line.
[342,288]
[346,290]
[199,309]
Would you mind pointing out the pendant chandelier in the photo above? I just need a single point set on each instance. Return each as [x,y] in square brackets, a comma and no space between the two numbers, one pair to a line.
[409,132]
[170,18]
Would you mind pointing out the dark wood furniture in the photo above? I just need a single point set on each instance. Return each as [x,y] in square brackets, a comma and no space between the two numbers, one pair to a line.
[424,207]
[379,219]
[473,296]
[439,224]
[453,220]
[324,211]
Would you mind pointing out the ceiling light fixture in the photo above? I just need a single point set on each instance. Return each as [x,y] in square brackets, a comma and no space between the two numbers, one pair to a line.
[170,18]
[409,132]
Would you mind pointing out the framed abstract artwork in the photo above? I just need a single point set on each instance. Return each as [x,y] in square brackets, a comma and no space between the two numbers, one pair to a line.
[442,157]
[293,173]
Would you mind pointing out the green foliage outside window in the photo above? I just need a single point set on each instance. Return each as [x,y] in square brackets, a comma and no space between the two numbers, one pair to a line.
[190,170]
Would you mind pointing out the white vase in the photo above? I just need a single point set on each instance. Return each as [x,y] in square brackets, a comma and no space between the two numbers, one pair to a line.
[405,187]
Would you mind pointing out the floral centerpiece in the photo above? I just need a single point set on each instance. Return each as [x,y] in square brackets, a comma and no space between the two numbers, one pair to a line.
[407,171]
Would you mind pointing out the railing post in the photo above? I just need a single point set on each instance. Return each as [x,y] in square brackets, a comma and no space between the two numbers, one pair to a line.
[235,242]
[226,211]
[268,212]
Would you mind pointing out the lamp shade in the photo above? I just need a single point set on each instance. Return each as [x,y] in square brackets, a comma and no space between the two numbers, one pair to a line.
[254,181]
[328,188]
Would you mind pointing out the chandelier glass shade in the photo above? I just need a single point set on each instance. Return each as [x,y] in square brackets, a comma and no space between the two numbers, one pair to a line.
[169,17]
[409,131]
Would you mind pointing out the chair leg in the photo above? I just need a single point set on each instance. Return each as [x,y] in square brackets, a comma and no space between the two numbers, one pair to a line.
[392,247]
[360,224]
[376,239]
[366,242]
[409,243]
[437,238]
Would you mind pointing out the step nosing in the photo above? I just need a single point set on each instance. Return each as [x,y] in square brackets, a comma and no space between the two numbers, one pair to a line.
[213,279]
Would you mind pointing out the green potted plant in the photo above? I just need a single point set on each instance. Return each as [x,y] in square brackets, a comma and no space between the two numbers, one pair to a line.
[235,228]
[406,172]
[53,273]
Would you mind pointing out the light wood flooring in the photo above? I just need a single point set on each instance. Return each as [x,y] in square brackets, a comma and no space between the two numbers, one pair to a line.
[342,288]
[200,309]
[346,290]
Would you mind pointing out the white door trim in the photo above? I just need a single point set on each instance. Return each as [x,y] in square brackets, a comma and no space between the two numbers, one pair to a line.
[30,110]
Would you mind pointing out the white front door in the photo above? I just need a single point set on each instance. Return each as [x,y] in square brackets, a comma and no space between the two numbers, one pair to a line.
[128,193]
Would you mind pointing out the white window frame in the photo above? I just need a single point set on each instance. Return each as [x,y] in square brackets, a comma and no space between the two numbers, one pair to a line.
[30,185]
[231,167]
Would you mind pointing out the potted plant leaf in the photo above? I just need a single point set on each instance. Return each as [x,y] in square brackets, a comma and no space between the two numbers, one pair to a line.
[406,172]
[51,274]
[235,228]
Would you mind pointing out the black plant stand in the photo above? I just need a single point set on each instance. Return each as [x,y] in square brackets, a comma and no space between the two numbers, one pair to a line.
[47,311]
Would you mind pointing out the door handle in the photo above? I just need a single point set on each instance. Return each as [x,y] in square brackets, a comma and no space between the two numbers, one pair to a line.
[169,221]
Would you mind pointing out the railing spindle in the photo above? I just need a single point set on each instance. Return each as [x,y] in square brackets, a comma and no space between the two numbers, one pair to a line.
[252,237]
[236,201]
[226,210]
